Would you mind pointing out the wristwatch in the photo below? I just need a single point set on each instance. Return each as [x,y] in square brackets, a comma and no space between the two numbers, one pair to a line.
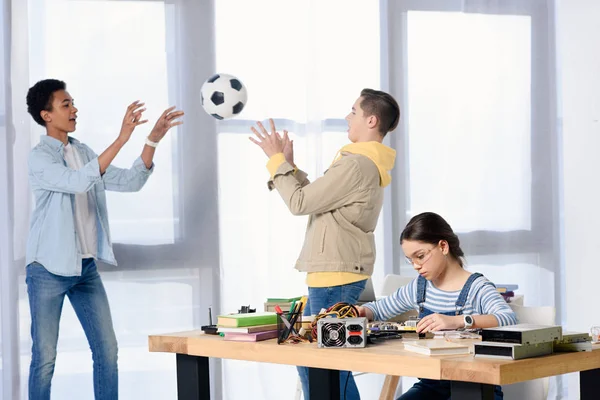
[468,321]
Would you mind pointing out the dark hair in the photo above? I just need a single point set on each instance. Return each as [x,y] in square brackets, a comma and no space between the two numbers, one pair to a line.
[39,97]
[383,106]
[430,228]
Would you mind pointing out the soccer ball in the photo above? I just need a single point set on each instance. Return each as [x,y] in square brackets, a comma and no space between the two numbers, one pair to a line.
[223,96]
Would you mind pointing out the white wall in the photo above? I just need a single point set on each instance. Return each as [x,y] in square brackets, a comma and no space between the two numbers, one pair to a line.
[579,60]
[579,41]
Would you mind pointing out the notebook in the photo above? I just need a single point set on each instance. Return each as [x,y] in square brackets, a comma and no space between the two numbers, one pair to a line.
[251,319]
[249,329]
[250,337]
[436,347]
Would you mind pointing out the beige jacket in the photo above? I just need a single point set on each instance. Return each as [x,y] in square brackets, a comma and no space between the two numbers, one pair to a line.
[343,205]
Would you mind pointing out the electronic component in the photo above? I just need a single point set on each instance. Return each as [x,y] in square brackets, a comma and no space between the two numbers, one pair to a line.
[522,334]
[341,332]
[511,351]
[407,326]
[246,310]
[574,337]
[210,329]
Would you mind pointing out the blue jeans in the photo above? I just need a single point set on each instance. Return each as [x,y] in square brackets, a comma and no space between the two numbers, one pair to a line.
[431,389]
[325,297]
[86,293]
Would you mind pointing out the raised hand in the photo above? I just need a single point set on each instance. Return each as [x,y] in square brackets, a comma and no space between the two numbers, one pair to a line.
[168,119]
[288,149]
[132,119]
[270,143]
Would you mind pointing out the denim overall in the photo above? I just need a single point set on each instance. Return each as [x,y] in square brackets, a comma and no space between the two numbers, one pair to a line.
[432,389]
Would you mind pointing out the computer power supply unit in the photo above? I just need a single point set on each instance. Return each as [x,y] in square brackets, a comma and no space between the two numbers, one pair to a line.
[341,332]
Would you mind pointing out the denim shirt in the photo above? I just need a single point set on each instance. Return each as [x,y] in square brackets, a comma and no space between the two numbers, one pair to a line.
[52,240]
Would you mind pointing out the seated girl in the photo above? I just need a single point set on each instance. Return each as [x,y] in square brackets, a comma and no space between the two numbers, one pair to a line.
[447,296]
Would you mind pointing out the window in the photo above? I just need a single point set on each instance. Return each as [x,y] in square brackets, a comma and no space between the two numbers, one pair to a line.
[157,285]
[481,103]
[290,66]
[101,53]
[478,134]
[304,64]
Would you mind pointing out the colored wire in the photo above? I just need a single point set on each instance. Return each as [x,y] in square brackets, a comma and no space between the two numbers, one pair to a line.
[338,310]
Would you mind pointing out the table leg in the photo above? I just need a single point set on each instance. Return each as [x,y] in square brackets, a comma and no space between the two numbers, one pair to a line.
[388,391]
[471,391]
[193,378]
[589,384]
[324,384]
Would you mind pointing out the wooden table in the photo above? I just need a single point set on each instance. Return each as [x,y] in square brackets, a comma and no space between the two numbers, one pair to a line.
[472,378]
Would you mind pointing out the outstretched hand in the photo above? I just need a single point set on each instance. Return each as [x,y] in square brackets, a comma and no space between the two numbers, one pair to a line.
[132,119]
[271,143]
[288,149]
[168,119]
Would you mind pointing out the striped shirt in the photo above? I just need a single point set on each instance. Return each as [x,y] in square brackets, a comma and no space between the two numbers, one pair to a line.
[483,299]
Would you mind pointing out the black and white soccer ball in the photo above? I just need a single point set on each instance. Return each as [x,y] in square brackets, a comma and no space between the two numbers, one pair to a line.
[223,96]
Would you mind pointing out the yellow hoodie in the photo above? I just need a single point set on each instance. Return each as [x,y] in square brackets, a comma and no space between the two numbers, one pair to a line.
[384,158]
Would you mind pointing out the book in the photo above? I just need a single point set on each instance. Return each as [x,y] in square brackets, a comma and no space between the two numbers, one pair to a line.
[506,288]
[457,334]
[243,320]
[436,347]
[279,300]
[250,337]
[285,307]
[248,329]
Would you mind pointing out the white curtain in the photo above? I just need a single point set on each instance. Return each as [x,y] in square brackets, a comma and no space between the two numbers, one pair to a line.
[477,143]
[166,242]
[304,64]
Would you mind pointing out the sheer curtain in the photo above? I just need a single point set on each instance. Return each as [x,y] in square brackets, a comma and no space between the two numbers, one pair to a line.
[166,236]
[479,134]
[304,64]
[9,376]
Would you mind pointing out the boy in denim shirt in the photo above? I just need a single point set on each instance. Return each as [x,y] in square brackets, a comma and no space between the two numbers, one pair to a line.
[69,230]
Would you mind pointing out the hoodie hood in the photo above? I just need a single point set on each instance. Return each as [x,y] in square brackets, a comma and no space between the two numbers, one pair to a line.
[382,155]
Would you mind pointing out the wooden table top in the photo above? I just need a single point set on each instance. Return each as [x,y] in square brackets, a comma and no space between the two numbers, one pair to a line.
[387,358]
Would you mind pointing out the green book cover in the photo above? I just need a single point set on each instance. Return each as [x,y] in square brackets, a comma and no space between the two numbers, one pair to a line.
[283,300]
[250,319]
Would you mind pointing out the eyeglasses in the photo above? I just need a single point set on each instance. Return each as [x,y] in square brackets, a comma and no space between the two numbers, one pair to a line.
[421,258]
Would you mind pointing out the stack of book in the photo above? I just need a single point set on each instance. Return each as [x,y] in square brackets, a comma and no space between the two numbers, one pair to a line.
[285,304]
[251,327]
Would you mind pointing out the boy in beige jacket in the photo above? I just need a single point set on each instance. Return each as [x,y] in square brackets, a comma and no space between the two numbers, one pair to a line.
[343,207]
